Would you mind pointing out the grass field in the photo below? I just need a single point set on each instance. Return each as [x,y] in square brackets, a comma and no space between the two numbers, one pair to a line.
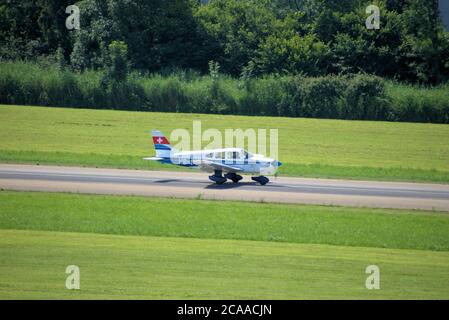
[307,147]
[144,248]
[33,266]
[225,220]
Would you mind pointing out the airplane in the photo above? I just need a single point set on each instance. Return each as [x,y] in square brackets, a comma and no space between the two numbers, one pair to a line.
[225,164]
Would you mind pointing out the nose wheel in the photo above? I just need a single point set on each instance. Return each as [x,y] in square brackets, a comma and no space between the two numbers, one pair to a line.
[262,180]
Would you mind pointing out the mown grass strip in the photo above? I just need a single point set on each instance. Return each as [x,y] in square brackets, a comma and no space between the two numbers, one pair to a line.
[225,220]
[33,264]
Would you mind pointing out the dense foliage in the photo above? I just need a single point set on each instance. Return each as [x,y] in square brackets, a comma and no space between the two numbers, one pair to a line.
[362,97]
[256,37]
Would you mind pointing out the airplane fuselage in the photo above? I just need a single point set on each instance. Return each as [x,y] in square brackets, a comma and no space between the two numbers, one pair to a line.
[232,157]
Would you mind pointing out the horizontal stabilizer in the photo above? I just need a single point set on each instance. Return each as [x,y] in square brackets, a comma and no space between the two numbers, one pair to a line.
[153,159]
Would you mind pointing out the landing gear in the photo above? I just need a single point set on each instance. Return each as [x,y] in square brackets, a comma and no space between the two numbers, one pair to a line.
[218,177]
[233,176]
[262,180]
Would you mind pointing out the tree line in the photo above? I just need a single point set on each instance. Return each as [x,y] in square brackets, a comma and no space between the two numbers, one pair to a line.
[245,38]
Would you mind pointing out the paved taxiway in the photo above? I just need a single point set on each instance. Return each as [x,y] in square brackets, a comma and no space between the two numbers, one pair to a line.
[196,185]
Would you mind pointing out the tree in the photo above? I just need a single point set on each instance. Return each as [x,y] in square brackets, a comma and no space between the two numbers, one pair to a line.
[293,55]
[238,27]
[424,44]
[32,28]
[118,63]
[159,34]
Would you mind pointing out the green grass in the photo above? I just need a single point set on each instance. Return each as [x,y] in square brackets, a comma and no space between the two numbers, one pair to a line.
[224,220]
[33,263]
[149,248]
[307,147]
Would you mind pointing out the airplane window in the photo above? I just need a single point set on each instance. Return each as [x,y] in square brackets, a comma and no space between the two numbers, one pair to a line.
[219,155]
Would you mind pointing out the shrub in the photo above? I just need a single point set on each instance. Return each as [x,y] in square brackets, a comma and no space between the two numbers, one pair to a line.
[319,97]
[358,97]
[365,99]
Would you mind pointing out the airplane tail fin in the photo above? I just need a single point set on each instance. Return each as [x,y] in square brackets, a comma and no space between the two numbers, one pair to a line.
[161,144]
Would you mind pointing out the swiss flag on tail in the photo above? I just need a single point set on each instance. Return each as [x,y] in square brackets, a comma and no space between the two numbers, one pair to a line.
[160,140]
[161,144]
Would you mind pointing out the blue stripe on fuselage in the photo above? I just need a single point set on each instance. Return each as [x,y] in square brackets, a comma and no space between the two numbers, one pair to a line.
[168,161]
[189,163]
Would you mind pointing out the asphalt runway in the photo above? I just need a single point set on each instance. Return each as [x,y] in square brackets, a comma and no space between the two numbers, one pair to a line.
[197,185]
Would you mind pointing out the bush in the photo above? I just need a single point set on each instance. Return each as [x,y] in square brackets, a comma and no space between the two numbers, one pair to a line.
[365,99]
[320,97]
[357,97]
[418,104]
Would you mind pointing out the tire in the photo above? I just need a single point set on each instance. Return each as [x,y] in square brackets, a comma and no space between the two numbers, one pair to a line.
[263,180]
[237,179]
[220,182]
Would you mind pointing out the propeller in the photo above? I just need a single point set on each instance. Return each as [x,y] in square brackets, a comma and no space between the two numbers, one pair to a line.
[276,164]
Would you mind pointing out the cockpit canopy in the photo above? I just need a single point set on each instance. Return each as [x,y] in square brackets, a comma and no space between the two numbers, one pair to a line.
[232,154]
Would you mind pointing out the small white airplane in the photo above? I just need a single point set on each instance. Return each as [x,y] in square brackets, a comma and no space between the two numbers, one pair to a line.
[230,161]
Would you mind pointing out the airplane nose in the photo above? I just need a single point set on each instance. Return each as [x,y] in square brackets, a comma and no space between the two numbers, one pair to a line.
[277,163]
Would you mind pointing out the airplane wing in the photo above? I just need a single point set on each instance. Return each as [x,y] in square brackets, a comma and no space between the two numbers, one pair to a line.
[206,165]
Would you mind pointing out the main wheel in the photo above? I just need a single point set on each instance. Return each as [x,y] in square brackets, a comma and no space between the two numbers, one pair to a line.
[221,181]
[233,177]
